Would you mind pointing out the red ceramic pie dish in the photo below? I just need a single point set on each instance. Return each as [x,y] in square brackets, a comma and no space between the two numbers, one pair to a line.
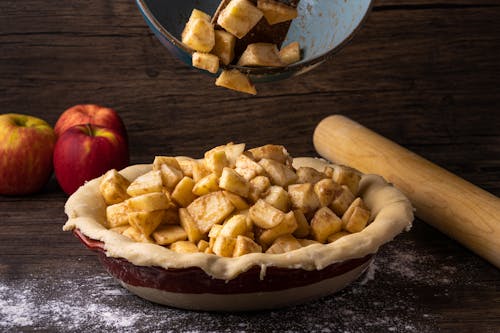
[195,281]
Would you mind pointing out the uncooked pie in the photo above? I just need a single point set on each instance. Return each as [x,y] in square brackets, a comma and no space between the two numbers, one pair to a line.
[235,209]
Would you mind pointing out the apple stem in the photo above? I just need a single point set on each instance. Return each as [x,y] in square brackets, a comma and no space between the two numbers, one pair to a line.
[20,121]
[90,131]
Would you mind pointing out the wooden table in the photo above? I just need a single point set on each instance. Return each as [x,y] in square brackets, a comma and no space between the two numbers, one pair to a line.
[421,72]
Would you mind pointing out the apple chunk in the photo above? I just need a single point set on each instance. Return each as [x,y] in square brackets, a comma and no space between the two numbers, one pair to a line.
[169,234]
[280,174]
[284,244]
[303,197]
[231,181]
[113,187]
[206,185]
[224,46]
[325,223]
[206,61]
[290,54]
[210,209]
[148,183]
[199,32]
[239,17]
[276,12]
[265,216]
[235,80]
[183,192]
[272,152]
[149,202]
[245,245]
[116,215]
[261,54]
[193,232]
[146,222]
[183,247]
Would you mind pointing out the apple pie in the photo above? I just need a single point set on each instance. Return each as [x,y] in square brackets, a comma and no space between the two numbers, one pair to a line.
[237,210]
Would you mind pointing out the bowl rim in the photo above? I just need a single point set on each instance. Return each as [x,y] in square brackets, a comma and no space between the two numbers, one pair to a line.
[295,67]
[392,213]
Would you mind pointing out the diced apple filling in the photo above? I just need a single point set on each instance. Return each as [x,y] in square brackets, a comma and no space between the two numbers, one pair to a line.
[234,202]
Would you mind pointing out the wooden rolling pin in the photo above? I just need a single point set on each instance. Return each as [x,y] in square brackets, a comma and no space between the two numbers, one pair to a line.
[449,203]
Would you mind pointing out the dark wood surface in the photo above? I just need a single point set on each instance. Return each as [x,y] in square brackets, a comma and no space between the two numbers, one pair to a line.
[423,73]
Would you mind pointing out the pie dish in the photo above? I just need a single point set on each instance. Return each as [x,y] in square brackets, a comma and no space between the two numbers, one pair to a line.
[255,281]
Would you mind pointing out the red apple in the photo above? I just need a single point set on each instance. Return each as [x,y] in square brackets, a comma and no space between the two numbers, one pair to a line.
[84,152]
[90,114]
[26,146]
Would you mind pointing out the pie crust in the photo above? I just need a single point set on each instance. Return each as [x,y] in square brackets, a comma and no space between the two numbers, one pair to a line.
[391,212]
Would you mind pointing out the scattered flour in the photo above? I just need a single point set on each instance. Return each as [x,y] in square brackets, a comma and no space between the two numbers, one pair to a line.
[412,265]
[25,305]
[98,303]
[370,273]
[407,263]
[15,310]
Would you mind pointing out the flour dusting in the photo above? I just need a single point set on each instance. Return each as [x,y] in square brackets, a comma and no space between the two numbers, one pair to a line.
[25,305]
[407,263]
[385,298]
[370,273]
[16,309]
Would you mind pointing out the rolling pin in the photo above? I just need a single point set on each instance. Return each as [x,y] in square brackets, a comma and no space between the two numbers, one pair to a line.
[456,207]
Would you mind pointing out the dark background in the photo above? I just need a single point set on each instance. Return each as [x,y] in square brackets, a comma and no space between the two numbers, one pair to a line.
[423,73]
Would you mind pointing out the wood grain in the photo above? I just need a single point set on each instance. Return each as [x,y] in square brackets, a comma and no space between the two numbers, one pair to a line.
[423,73]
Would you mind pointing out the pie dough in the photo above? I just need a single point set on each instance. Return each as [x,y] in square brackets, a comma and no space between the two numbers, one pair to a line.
[391,212]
